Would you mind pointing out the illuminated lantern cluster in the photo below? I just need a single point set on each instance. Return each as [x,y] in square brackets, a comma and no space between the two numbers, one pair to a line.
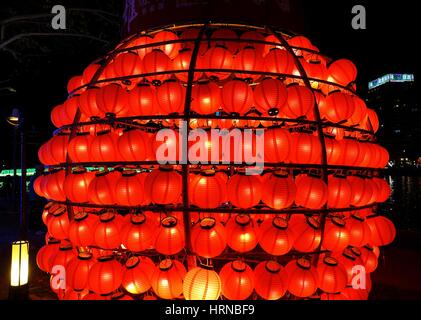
[135,212]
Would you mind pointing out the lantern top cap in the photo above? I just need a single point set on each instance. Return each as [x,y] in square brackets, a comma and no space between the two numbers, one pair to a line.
[238,266]
[273,266]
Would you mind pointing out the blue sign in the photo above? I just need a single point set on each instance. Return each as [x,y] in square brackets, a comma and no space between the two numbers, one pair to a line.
[392,77]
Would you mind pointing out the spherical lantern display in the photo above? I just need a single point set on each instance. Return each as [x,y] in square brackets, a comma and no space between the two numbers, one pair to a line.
[275,237]
[129,180]
[208,238]
[201,284]
[105,275]
[242,235]
[237,280]
[167,279]
[137,275]
[302,278]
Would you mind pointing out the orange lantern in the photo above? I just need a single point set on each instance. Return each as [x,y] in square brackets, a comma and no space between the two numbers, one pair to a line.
[275,237]
[107,234]
[332,276]
[82,228]
[171,97]
[242,235]
[167,279]
[279,191]
[163,186]
[302,278]
[270,96]
[270,280]
[206,97]
[137,274]
[138,232]
[208,238]
[237,97]
[201,284]
[169,238]
[105,275]
[237,280]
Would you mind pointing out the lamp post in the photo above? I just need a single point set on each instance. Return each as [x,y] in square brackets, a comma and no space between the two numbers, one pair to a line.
[20,249]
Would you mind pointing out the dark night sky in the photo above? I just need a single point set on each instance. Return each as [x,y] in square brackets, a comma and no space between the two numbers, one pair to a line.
[388,45]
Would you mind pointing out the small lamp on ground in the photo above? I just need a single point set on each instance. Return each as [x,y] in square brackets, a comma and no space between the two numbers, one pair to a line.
[19,270]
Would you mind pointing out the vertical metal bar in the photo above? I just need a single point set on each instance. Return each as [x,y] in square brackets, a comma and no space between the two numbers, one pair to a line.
[23,206]
[324,163]
[186,119]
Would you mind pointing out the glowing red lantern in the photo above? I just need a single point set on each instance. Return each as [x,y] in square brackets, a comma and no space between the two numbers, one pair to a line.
[275,237]
[217,58]
[244,191]
[46,253]
[138,232]
[300,42]
[359,231]
[167,279]
[225,35]
[302,278]
[207,190]
[383,188]
[79,147]
[137,274]
[57,148]
[201,284]
[253,36]
[74,83]
[142,40]
[90,72]
[82,228]
[88,103]
[133,145]
[127,64]
[101,188]
[360,111]
[169,238]
[312,192]
[58,224]
[342,71]
[368,258]
[248,59]
[77,271]
[171,97]
[339,192]
[242,235]
[170,49]
[351,152]
[307,234]
[182,63]
[332,276]
[305,148]
[237,97]
[279,61]
[279,191]
[76,185]
[340,106]
[383,232]
[129,189]
[192,34]
[300,101]
[163,186]
[112,100]
[270,96]
[270,280]
[103,147]
[237,280]
[156,61]
[208,238]
[372,121]
[63,256]
[105,275]
[206,97]
[336,235]
[362,191]
[107,234]
[142,100]
[277,145]
[333,150]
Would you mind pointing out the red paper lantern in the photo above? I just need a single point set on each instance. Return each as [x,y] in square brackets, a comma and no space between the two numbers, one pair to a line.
[58,223]
[340,106]
[302,278]
[127,64]
[237,280]
[300,101]
[225,35]
[217,58]
[107,234]
[90,72]
[208,238]
[362,191]
[201,284]
[76,185]
[170,49]
[300,42]
[279,191]
[138,232]
[244,191]
[332,276]
[336,235]
[253,36]
[105,275]
[242,235]
[74,83]
[307,234]
[77,271]
[305,148]
[237,97]
[142,40]
[167,279]
[82,228]
[142,100]
[277,145]
[270,96]
[79,147]
[373,123]
[206,97]
[270,280]
[339,192]
[333,150]
[368,259]
[171,96]
[192,34]
[169,238]
[383,188]
[383,232]
[112,100]
[163,186]
[129,189]
[312,192]
[133,145]
[360,112]
[359,231]
[154,62]
[351,152]
[279,61]
[248,59]
[63,256]
[137,275]
[46,253]
[275,237]
[101,188]
[207,190]
[342,71]
[103,147]
[88,103]
[55,151]
[182,62]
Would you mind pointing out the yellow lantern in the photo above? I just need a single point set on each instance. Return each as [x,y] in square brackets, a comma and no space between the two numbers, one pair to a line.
[201,284]
[20,263]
